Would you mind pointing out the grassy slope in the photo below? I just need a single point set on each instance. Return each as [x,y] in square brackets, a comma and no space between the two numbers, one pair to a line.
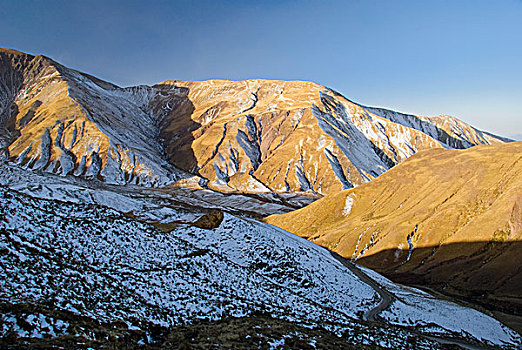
[466,205]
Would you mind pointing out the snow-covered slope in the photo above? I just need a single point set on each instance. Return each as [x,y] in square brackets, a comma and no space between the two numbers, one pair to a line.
[256,136]
[95,262]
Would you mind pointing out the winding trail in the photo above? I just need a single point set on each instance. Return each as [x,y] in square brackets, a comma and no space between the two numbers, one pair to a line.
[386,297]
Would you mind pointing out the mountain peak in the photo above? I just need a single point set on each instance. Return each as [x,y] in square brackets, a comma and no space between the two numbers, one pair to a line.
[268,137]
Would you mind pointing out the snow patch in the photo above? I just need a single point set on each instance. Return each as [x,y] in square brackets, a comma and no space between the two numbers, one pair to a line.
[348,204]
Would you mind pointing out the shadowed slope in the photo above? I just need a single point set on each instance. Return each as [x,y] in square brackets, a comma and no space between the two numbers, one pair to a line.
[447,219]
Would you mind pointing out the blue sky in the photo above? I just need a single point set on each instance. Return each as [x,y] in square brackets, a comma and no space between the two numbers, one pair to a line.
[462,58]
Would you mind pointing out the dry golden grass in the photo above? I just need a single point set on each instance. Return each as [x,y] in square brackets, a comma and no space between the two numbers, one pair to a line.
[462,210]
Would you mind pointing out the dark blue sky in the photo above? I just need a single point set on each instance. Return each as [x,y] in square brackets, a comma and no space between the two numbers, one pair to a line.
[462,58]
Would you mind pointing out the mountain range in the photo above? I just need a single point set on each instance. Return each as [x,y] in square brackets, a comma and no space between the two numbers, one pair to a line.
[129,217]
[254,136]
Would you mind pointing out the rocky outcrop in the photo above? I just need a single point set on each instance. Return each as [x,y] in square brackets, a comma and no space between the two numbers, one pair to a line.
[210,220]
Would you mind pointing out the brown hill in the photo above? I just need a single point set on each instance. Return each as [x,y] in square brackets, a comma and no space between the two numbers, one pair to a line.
[446,219]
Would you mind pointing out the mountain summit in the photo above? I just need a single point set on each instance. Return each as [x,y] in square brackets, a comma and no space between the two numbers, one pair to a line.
[253,136]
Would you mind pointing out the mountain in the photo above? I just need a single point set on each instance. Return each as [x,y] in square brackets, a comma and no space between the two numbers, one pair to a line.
[270,138]
[61,121]
[450,220]
[91,276]
[128,216]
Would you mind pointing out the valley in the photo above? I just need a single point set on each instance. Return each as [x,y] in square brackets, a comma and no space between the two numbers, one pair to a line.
[454,227]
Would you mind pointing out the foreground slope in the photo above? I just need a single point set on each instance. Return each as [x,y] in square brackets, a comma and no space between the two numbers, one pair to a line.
[254,136]
[446,219]
[75,272]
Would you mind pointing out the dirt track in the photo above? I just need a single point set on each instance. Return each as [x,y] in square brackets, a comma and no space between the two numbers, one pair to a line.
[386,297]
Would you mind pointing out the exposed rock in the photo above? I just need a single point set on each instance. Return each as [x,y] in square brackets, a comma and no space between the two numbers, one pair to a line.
[210,220]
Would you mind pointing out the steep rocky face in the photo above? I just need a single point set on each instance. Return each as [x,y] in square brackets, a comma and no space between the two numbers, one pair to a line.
[447,219]
[60,121]
[261,135]
[254,136]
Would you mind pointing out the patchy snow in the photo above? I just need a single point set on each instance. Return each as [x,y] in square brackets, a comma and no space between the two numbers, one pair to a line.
[337,168]
[288,261]
[32,325]
[120,135]
[74,252]
[94,262]
[414,307]
[82,254]
[276,343]
[375,139]
[146,204]
[336,122]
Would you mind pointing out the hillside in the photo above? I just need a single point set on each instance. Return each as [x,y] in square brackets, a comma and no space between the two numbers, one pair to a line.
[255,136]
[445,219]
[85,274]
[128,215]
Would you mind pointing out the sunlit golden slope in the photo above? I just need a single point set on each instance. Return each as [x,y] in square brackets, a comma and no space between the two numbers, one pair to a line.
[258,134]
[449,219]
[253,136]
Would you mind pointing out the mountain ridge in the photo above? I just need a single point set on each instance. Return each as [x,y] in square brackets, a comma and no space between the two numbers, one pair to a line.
[254,136]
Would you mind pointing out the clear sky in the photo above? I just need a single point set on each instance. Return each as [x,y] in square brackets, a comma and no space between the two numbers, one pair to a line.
[456,57]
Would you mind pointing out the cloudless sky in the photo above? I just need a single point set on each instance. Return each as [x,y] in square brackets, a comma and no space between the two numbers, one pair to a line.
[456,57]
